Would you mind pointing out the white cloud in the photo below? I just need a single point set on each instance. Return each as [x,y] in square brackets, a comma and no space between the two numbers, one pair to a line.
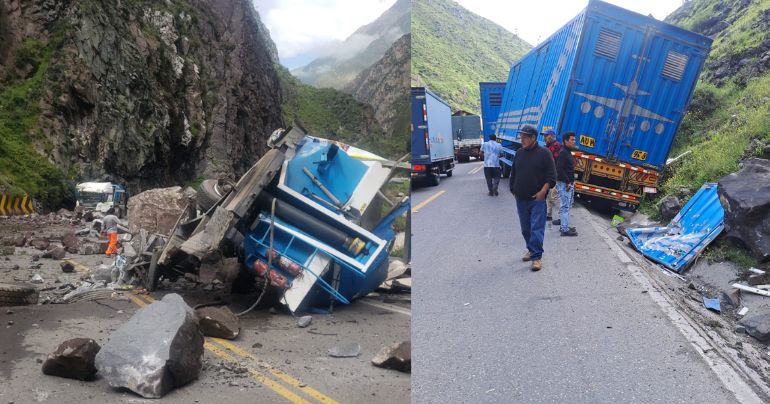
[535,21]
[302,26]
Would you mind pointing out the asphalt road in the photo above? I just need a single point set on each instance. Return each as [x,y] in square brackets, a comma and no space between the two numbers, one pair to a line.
[487,329]
[271,361]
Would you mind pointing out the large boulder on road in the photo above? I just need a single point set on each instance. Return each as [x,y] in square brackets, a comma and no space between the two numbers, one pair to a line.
[745,197]
[156,210]
[159,348]
[73,359]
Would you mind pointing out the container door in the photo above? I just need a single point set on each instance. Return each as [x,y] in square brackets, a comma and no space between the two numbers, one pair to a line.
[607,83]
[663,86]
[420,147]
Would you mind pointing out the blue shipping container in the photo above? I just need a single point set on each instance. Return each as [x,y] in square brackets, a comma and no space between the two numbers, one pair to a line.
[491,101]
[431,128]
[620,80]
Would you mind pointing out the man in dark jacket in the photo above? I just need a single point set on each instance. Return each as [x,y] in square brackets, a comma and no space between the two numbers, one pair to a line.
[532,174]
[565,183]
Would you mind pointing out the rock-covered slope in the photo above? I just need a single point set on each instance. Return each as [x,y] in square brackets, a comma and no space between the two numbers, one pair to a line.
[359,51]
[454,49]
[729,117]
[385,86]
[141,92]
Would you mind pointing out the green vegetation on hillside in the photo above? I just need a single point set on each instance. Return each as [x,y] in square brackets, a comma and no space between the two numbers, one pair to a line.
[453,50]
[729,112]
[332,114]
[22,169]
[719,129]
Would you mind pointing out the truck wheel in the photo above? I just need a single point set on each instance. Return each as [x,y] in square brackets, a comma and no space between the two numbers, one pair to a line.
[207,195]
[449,173]
[17,295]
[434,179]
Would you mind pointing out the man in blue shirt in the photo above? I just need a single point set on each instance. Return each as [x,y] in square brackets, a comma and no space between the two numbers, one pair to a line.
[492,150]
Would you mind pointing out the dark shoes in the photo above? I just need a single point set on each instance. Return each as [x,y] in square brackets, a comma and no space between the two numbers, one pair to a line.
[492,192]
[495,192]
[556,222]
[571,232]
[548,218]
[489,193]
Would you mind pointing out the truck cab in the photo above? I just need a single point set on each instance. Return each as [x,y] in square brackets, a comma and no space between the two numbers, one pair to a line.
[101,196]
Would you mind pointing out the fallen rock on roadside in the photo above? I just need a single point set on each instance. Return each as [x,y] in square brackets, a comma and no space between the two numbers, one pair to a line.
[73,359]
[757,326]
[218,322]
[745,197]
[397,356]
[158,349]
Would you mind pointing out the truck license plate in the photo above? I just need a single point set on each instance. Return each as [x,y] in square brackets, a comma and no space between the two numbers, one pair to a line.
[587,141]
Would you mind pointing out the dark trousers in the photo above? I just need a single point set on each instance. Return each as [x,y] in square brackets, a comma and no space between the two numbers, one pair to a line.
[532,220]
[492,174]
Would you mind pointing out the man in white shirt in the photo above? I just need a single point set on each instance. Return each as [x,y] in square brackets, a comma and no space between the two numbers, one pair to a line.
[492,150]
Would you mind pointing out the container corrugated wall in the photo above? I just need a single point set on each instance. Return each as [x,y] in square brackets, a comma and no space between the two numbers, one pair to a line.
[632,84]
[537,85]
[620,80]
[491,102]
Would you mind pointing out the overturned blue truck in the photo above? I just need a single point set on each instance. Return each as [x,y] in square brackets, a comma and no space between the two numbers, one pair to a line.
[307,218]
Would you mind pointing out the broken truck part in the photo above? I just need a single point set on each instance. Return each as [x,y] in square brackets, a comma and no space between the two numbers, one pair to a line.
[694,227]
[307,217]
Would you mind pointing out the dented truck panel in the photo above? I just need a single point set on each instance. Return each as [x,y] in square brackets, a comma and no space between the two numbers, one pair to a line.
[294,218]
[675,246]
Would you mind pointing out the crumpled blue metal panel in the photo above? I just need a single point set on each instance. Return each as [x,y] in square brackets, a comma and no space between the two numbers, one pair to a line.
[694,227]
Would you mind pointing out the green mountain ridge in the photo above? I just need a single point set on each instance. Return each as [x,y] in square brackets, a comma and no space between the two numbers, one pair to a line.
[452,65]
[729,117]
[336,71]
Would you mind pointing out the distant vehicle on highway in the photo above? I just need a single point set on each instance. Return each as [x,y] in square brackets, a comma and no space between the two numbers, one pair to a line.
[432,145]
[101,196]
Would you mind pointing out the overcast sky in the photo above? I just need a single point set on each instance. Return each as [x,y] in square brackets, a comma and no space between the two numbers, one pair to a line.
[536,20]
[305,29]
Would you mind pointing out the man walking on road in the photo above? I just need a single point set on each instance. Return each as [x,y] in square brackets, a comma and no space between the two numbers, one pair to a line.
[565,183]
[532,174]
[553,195]
[492,150]
[110,227]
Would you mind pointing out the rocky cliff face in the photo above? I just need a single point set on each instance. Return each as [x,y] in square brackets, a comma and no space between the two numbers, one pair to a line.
[143,92]
[385,85]
[741,48]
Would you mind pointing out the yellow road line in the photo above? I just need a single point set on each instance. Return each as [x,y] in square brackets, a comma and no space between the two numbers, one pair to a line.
[78,266]
[287,394]
[427,201]
[477,169]
[311,392]
[277,372]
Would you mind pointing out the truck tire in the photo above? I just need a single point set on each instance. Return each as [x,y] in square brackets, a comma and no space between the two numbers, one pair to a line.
[449,173]
[434,179]
[207,195]
[17,295]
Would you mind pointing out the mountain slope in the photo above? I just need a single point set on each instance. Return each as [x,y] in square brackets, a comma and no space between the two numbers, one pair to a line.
[385,86]
[359,51]
[454,49]
[729,117]
[139,92]
[332,114]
